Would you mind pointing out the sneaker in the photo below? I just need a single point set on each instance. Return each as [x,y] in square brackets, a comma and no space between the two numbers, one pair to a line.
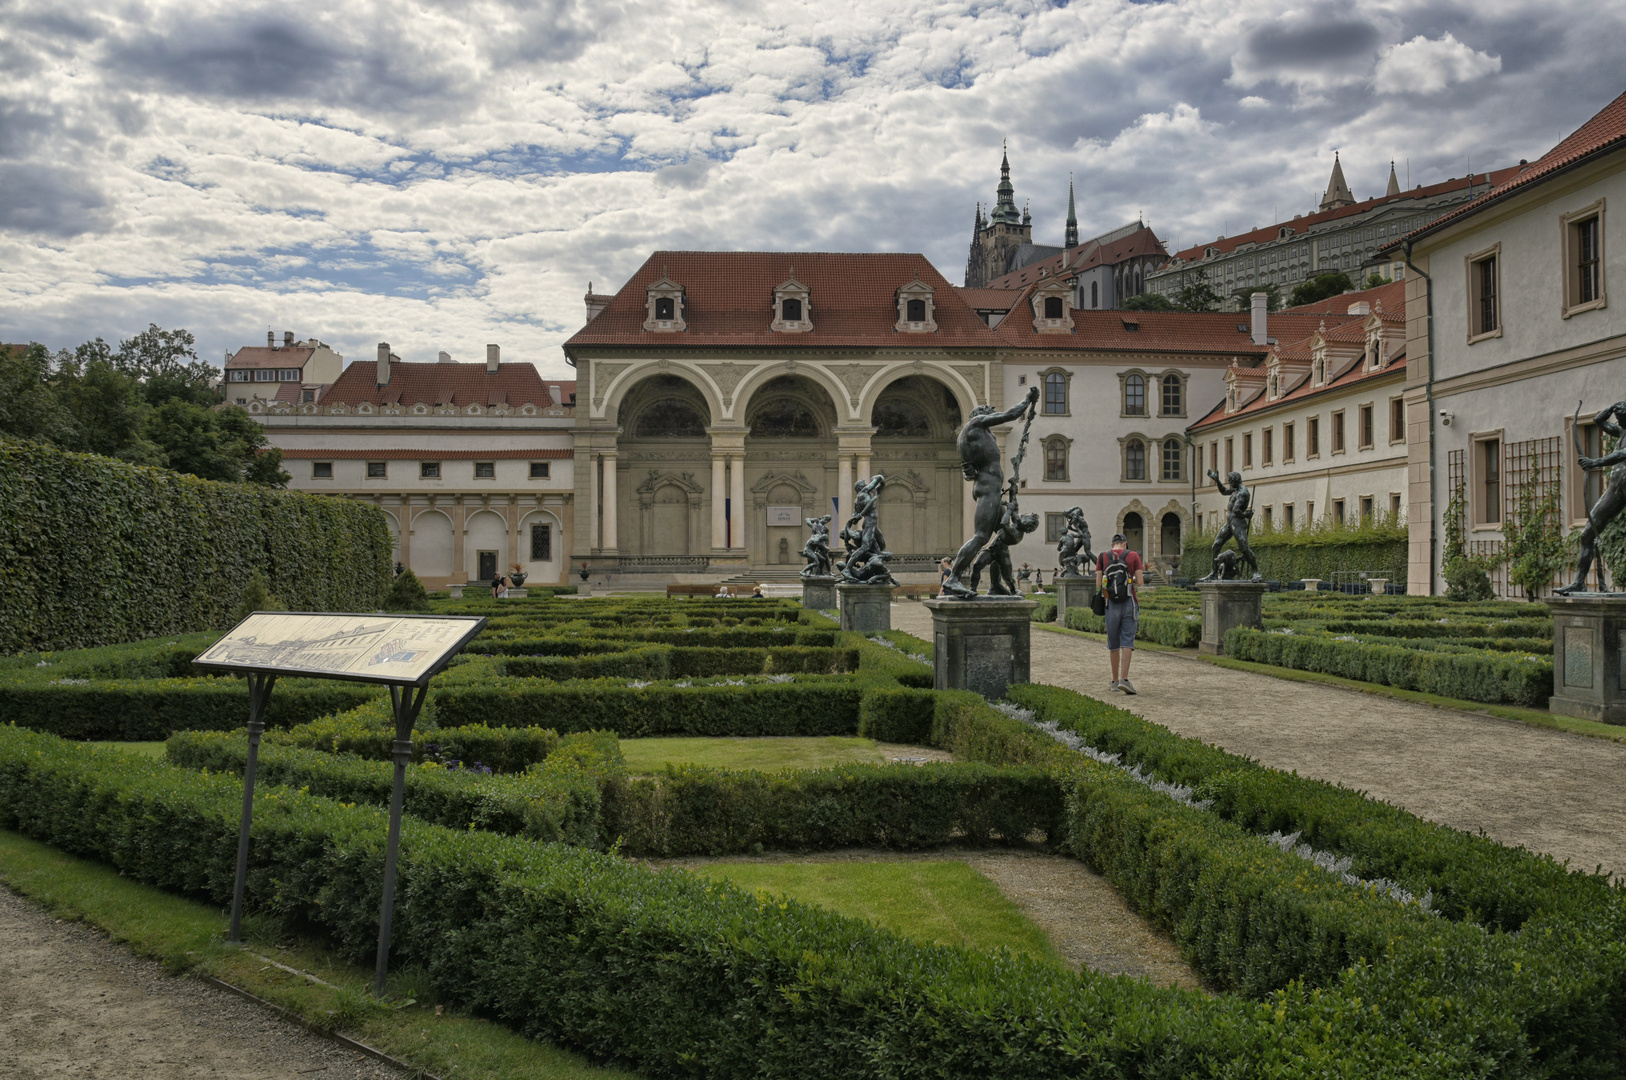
[1123,684]
[1113,685]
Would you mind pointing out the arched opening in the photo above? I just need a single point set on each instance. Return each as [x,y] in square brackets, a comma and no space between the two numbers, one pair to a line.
[540,545]
[1095,294]
[916,421]
[432,546]
[665,308]
[790,309]
[1169,541]
[1135,533]
[790,466]
[1134,460]
[1052,307]
[485,546]
[1135,395]
[916,310]
[663,443]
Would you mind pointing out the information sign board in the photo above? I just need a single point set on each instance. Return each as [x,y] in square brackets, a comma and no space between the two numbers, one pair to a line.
[384,648]
[784,515]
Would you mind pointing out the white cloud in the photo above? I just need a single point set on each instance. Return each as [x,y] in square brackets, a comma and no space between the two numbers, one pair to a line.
[1424,66]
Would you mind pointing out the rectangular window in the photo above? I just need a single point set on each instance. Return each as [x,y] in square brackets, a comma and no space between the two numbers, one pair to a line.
[1174,453]
[239,376]
[429,470]
[1312,438]
[1338,432]
[1366,509]
[1055,391]
[1054,526]
[1484,310]
[1247,450]
[1287,443]
[1173,396]
[1338,511]
[1309,511]
[265,375]
[1213,455]
[1397,419]
[1230,456]
[321,470]
[539,470]
[1489,510]
[1267,447]
[1366,427]
[1585,487]
[485,470]
[1287,515]
[377,470]
[541,543]
[290,374]
[1394,507]
[1583,252]
[1055,459]
[1270,520]
[307,397]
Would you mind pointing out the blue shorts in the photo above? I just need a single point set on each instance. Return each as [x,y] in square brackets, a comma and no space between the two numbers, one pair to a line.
[1122,621]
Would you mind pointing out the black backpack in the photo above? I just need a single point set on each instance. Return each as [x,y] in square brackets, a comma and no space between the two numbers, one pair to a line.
[1117,577]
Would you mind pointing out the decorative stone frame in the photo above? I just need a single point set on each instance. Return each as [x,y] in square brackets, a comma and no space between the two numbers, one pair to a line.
[1147,443]
[1185,463]
[791,289]
[916,290]
[1146,393]
[645,493]
[1044,391]
[1476,480]
[1067,459]
[1567,247]
[1338,432]
[1470,263]
[1059,289]
[665,289]
[1185,395]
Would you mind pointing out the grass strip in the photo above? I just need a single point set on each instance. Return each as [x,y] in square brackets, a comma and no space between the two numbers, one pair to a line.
[185,936]
[766,753]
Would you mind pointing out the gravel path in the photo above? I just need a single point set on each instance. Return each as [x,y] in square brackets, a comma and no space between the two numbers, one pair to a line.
[73,1004]
[1086,920]
[1547,790]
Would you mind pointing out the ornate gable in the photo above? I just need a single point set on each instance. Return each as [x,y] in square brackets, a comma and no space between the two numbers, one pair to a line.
[792,307]
[665,305]
[916,308]
[1053,307]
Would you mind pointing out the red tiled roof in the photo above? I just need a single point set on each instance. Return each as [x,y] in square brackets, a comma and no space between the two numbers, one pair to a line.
[989,299]
[1300,226]
[1136,331]
[728,300]
[258,356]
[1392,296]
[1357,373]
[422,454]
[1604,131]
[1141,242]
[432,384]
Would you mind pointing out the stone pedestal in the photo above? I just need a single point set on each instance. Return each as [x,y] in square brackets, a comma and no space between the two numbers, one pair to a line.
[819,593]
[518,594]
[865,608]
[1589,636]
[1226,606]
[1311,584]
[456,591]
[584,588]
[1073,592]
[981,644]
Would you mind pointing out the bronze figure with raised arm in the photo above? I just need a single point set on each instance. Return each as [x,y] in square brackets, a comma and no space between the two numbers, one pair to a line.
[1238,516]
[1609,503]
[979,462]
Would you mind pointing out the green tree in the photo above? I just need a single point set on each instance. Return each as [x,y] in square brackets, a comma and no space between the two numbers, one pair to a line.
[257,596]
[191,440]
[1374,279]
[168,366]
[107,405]
[1198,296]
[261,462]
[1244,297]
[29,406]
[407,594]
[1321,287]
[1148,302]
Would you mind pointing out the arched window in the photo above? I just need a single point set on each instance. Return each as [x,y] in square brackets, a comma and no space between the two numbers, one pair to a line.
[1052,307]
[665,308]
[1173,458]
[917,310]
[1055,394]
[1095,294]
[1135,395]
[1170,540]
[1135,532]
[1055,459]
[790,309]
[1173,398]
[1134,460]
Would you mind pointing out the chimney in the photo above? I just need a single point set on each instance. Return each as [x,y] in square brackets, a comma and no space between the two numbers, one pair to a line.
[1360,307]
[1261,304]
[270,339]
[287,339]
[444,357]
[492,359]
[595,303]
[553,392]
[383,378]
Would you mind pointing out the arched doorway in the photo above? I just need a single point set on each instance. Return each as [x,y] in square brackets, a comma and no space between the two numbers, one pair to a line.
[790,465]
[1169,542]
[432,545]
[1135,533]
[664,453]
[916,420]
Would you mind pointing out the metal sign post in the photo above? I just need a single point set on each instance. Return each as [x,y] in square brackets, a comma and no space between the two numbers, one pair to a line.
[401,651]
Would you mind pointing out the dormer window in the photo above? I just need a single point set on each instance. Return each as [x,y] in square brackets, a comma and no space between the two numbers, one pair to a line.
[665,306]
[792,307]
[1052,308]
[916,308]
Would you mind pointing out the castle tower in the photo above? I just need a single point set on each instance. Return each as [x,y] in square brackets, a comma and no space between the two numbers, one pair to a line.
[1338,193]
[993,248]
[1071,240]
[1394,183]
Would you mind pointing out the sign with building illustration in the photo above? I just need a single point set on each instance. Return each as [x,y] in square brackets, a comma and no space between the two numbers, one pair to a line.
[370,648]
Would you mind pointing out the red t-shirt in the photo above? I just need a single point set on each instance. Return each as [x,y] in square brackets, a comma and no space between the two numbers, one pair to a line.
[1132,560]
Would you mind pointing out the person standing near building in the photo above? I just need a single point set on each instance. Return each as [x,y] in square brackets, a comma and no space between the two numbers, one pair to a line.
[1119,576]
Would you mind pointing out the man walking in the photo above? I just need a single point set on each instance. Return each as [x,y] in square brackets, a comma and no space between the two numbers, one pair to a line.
[1119,577]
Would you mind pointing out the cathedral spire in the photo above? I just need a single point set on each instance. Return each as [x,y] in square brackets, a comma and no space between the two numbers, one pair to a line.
[1005,211]
[1394,182]
[1071,240]
[1338,193]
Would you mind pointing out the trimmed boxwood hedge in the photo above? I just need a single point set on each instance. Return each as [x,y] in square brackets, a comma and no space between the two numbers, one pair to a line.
[94,551]
[679,662]
[1178,631]
[369,732]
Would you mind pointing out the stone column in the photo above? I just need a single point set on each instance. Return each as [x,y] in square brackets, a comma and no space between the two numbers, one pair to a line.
[404,520]
[736,495]
[611,503]
[1226,606]
[863,468]
[460,569]
[719,484]
[513,534]
[844,492]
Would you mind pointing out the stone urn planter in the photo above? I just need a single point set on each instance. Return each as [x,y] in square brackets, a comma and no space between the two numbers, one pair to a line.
[1380,585]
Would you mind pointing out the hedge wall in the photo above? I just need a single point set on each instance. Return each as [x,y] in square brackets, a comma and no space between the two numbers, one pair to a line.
[94,551]
[1318,552]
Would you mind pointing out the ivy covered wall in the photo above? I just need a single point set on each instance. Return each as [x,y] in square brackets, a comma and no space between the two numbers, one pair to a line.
[94,551]
[1315,552]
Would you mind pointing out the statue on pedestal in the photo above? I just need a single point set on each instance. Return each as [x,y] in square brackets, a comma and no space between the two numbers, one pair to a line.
[1074,546]
[1238,515]
[997,555]
[817,549]
[866,549]
[979,462]
[1610,503]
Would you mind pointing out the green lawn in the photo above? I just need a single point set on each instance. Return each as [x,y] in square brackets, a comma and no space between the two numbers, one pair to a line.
[767,753]
[143,749]
[186,936]
[944,902]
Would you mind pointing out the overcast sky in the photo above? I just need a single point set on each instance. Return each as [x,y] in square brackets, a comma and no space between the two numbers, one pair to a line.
[442,175]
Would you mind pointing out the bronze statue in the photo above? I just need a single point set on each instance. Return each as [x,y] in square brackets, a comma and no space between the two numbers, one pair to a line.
[1238,514]
[817,549]
[1610,503]
[1074,545]
[979,463]
[1225,568]
[866,554]
[997,555]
